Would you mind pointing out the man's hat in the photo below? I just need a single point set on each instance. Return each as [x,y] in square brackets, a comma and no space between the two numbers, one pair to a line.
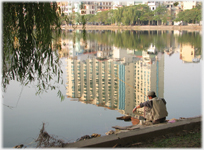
[151,93]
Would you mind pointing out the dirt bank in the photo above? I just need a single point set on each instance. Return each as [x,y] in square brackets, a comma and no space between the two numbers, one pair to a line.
[146,27]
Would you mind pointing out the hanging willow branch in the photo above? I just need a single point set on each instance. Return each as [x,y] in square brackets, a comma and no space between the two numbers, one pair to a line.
[31,43]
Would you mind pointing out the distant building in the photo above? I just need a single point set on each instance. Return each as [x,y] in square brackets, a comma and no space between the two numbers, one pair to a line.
[76,7]
[104,5]
[129,3]
[65,7]
[92,7]
[118,4]
[139,2]
[153,5]
[88,7]
[188,5]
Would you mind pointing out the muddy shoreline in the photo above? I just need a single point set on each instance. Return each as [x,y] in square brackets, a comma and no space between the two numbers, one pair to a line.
[146,27]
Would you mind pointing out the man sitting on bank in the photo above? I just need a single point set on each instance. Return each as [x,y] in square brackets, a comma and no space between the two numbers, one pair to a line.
[154,109]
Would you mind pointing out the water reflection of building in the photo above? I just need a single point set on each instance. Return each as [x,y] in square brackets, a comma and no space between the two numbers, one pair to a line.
[77,46]
[93,80]
[66,46]
[187,53]
[104,51]
[115,84]
[123,79]
[148,74]
[123,55]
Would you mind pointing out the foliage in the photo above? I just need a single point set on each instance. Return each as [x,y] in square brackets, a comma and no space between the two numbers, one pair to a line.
[190,15]
[161,14]
[103,18]
[176,4]
[141,14]
[89,18]
[117,15]
[147,16]
[28,51]
[130,15]
[64,19]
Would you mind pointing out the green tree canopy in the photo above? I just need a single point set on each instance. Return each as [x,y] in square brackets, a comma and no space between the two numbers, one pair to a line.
[190,15]
[161,13]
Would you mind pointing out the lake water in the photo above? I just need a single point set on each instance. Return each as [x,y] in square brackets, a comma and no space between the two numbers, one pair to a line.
[105,75]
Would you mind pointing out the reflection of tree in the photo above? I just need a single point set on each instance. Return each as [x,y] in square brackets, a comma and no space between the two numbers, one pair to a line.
[28,51]
[139,40]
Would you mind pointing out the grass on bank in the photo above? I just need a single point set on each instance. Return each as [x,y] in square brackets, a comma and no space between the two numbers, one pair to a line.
[188,140]
[184,139]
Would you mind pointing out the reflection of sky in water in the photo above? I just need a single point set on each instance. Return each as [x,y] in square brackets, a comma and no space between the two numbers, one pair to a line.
[182,88]
[71,119]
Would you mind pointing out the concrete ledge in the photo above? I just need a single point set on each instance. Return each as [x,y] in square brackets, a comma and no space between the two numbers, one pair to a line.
[138,135]
[145,27]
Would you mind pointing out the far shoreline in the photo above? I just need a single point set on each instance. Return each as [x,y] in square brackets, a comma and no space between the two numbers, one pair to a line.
[143,27]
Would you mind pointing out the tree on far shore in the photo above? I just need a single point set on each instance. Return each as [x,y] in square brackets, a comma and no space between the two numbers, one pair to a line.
[190,15]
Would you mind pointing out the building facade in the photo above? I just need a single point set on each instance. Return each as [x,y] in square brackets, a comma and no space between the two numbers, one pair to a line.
[88,7]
